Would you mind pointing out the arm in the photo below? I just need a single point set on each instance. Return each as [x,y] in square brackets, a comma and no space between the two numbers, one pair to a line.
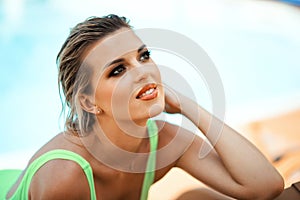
[234,166]
[58,180]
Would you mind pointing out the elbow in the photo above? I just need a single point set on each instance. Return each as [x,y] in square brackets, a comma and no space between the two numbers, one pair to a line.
[274,190]
[268,190]
[276,186]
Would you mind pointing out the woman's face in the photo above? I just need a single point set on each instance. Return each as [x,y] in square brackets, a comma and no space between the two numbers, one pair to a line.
[127,82]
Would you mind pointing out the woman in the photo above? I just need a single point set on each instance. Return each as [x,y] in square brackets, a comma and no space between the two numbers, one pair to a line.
[112,88]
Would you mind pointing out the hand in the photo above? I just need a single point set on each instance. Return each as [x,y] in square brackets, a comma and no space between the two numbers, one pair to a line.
[172,101]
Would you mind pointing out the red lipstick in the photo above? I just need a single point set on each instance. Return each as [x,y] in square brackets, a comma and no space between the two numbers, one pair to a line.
[148,92]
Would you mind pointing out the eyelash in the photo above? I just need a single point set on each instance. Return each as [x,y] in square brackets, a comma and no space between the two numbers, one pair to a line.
[116,72]
[145,56]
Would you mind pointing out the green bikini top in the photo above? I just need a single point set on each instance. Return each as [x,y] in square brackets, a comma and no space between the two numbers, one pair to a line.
[22,190]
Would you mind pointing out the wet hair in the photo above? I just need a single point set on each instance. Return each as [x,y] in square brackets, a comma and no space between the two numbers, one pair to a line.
[71,80]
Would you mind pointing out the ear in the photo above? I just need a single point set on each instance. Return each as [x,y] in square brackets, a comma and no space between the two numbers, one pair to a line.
[87,104]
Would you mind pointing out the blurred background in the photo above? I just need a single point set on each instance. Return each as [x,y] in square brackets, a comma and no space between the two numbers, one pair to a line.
[255,46]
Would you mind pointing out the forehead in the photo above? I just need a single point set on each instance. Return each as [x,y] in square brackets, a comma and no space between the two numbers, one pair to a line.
[112,47]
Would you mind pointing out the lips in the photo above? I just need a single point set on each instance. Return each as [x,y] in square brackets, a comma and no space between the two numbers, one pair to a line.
[148,92]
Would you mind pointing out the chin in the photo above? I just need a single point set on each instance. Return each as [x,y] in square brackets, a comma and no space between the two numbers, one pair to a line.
[155,110]
[148,110]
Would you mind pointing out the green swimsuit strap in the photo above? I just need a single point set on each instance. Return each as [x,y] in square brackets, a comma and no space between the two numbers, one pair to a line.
[52,155]
[151,163]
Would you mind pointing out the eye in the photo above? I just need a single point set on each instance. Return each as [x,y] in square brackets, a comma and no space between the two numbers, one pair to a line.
[117,70]
[145,56]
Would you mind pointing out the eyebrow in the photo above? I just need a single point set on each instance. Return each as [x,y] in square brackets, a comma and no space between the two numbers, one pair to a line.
[141,48]
[121,59]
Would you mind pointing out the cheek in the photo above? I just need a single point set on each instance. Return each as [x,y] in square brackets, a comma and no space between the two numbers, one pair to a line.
[103,95]
[122,91]
[121,99]
[113,94]
[156,74]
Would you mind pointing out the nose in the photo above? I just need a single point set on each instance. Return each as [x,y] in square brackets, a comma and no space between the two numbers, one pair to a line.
[140,72]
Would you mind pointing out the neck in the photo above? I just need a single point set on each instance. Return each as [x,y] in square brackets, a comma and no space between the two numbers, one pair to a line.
[121,146]
[125,134]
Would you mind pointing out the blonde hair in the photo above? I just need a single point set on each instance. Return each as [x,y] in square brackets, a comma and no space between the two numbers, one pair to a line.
[73,78]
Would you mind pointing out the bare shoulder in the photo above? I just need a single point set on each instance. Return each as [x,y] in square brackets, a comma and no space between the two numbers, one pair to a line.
[174,141]
[59,179]
[169,131]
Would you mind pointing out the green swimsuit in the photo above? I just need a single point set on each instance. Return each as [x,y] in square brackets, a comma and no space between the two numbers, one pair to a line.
[8,177]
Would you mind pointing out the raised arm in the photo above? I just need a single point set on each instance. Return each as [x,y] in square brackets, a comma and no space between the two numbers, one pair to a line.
[234,166]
